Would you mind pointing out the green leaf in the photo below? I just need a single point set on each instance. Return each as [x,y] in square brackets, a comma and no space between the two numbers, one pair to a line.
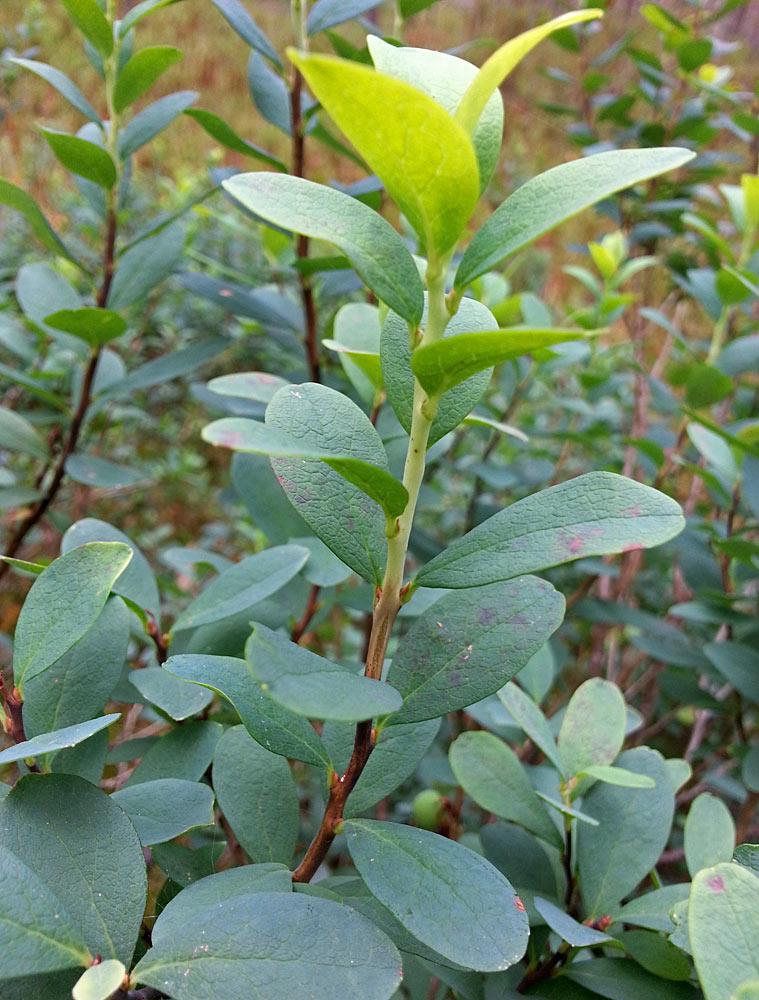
[78,685]
[88,16]
[723,926]
[244,585]
[395,354]
[92,325]
[86,159]
[268,723]
[17,434]
[338,512]
[373,247]
[634,826]
[270,945]
[166,808]
[86,851]
[709,833]
[594,514]
[739,665]
[309,685]
[490,773]
[259,387]
[658,955]
[99,472]
[445,364]
[139,270]
[356,333]
[448,897]
[247,28]
[69,736]
[140,10]
[39,936]
[62,84]
[185,753]
[747,855]
[137,582]
[652,910]
[468,645]
[176,698]
[140,73]
[100,981]
[219,130]
[64,603]
[569,930]
[153,120]
[18,199]
[617,776]
[256,792]
[425,160]
[532,722]
[556,195]
[255,438]
[327,13]
[445,78]
[593,728]
[495,69]
[619,979]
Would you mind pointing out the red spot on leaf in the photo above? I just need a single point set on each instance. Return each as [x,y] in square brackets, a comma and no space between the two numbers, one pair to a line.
[519,903]
[231,439]
[633,511]
[575,544]
[716,883]
[226,293]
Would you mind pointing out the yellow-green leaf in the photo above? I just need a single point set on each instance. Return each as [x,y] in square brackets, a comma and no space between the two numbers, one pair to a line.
[422,156]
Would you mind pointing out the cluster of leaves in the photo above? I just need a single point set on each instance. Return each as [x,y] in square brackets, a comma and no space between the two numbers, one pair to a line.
[374,757]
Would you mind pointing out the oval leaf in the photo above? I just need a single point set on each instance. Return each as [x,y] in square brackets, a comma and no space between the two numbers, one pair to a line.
[709,833]
[69,736]
[100,981]
[86,159]
[593,728]
[140,73]
[594,514]
[448,897]
[166,808]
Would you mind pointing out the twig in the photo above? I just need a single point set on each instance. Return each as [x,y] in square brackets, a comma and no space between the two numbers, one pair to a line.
[312,606]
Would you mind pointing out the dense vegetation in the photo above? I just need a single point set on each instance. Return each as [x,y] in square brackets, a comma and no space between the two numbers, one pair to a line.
[286,709]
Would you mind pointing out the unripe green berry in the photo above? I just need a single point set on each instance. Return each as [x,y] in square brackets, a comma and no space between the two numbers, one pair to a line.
[427,809]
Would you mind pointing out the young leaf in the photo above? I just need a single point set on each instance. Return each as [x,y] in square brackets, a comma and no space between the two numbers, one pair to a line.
[490,773]
[424,159]
[62,84]
[395,355]
[445,364]
[723,926]
[166,808]
[256,792]
[141,72]
[50,819]
[594,514]
[256,438]
[63,605]
[39,936]
[532,722]
[343,516]
[327,13]
[309,685]
[86,159]
[243,585]
[448,897]
[219,130]
[247,28]
[88,16]
[445,78]
[495,69]
[140,10]
[467,645]
[633,829]
[17,199]
[617,776]
[240,935]
[268,723]
[176,698]
[373,247]
[99,982]
[709,833]
[558,194]
[69,736]
[593,728]
[94,326]
[153,120]
[17,434]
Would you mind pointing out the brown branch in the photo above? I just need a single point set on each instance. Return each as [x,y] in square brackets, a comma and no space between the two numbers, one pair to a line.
[38,510]
[312,606]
